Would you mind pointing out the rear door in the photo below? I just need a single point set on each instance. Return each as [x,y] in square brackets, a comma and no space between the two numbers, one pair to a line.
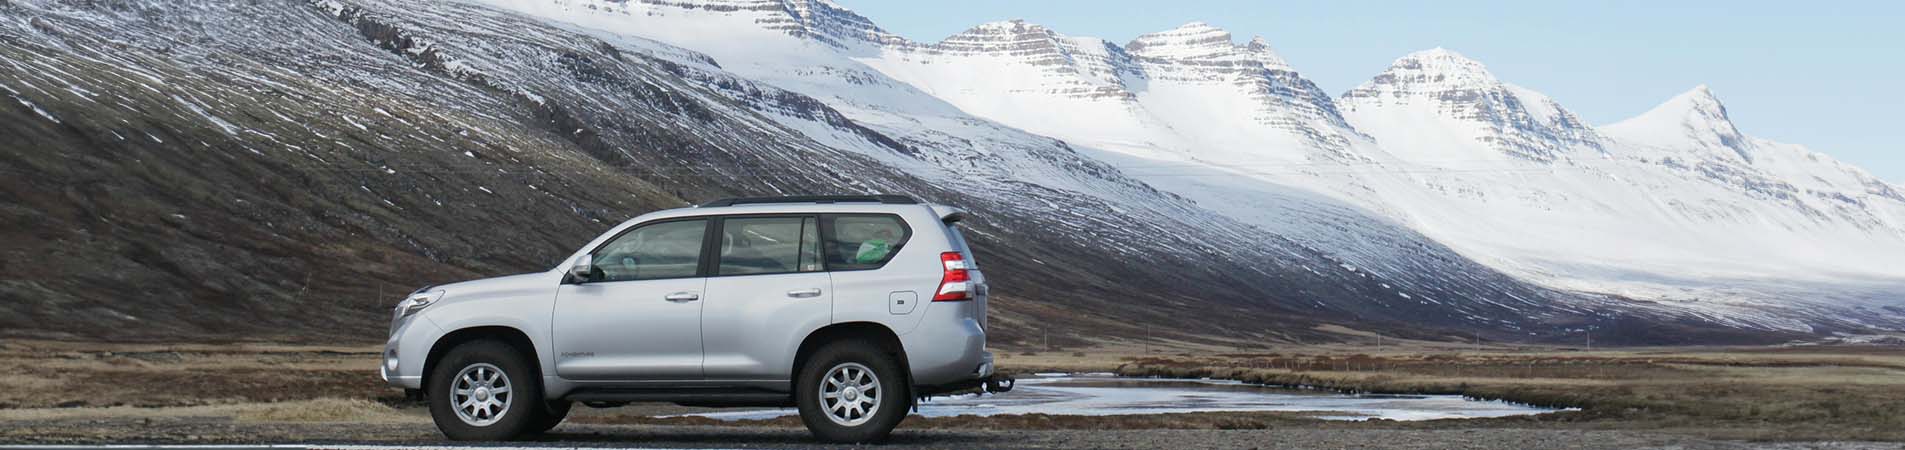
[881,271]
[767,291]
[639,316]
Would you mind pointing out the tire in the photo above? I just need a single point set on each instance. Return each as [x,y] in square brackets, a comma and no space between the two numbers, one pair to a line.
[552,416]
[491,365]
[872,367]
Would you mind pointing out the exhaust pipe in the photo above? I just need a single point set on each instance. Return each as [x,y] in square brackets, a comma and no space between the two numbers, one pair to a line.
[997,384]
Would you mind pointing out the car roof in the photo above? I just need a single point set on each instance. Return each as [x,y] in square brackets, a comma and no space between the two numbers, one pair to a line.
[784,208]
[836,204]
[881,198]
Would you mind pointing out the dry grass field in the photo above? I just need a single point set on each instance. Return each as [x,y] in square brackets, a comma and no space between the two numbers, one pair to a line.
[80,392]
[1834,393]
[73,375]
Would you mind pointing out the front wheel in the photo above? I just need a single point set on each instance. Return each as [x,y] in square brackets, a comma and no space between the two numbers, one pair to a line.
[850,392]
[485,391]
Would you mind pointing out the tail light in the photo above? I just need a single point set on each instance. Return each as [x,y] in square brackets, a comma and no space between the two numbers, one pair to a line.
[956,284]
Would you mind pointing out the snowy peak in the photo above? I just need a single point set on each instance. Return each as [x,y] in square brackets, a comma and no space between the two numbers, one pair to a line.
[1439,89]
[1692,120]
[1191,40]
[1242,99]
[1692,134]
[1258,46]
[1201,41]
[1695,107]
[820,20]
[1436,69]
[1191,87]
[1075,67]
[1447,61]
[825,19]
[1006,27]
[1009,36]
[1701,97]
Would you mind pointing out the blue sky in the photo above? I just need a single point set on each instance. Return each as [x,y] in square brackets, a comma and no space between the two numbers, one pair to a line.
[1829,75]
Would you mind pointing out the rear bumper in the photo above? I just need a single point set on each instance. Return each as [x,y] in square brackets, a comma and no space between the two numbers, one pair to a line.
[991,383]
[947,348]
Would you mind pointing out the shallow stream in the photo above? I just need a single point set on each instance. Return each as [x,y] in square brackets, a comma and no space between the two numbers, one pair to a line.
[1104,395]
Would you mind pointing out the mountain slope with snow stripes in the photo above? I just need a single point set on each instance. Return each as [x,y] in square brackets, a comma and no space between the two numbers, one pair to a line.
[1675,207]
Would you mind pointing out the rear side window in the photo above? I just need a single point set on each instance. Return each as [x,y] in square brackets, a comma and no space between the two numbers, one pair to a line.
[862,242]
[768,245]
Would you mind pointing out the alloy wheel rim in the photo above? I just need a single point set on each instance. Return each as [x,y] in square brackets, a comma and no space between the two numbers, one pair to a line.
[481,394]
[850,394]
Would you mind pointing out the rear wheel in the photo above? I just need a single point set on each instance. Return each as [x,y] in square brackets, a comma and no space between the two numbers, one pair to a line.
[851,392]
[484,391]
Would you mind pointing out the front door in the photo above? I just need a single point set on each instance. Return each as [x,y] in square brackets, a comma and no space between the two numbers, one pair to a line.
[638,316]
[767,291]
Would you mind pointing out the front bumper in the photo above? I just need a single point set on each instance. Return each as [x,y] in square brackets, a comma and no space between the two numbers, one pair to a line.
[391,370]
[405,352]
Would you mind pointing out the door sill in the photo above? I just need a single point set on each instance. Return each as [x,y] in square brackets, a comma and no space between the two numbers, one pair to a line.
[708,396]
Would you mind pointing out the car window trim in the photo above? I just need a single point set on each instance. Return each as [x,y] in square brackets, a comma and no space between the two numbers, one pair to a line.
[713,246]
[707,267]
[826,234]
[701,261]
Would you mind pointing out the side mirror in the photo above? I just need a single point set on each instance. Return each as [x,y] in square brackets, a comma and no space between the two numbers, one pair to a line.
[583,268]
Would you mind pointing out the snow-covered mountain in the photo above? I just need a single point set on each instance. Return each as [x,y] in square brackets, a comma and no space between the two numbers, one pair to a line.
[1433,106]
[1691,122]
[1675,209]
[862,71]
[1675,206]
[1692,132]
[1186,93]
[179,168]
[1183,179]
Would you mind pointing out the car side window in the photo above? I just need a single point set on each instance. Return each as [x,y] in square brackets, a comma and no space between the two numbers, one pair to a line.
[652,252]
[769,245]
[862,242]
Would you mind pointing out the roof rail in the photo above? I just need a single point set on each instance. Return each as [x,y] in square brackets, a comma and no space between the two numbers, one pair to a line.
[887,199]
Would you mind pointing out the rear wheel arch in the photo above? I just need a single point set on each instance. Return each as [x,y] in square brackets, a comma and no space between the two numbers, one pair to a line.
[513,337]
[874,333]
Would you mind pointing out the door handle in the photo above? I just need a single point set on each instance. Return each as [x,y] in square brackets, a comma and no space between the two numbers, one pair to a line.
[681,297]
[804,293]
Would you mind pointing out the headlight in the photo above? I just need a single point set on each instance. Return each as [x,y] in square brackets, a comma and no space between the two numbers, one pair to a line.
[418,301]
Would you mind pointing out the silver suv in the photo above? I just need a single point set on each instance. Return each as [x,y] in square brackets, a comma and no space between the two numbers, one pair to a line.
[849,307]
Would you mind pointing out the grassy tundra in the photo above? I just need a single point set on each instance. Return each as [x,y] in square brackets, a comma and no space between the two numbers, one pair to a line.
[1837,393]
[76,392]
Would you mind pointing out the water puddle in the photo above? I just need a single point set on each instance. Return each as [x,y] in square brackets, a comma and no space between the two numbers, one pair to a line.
[1106,395]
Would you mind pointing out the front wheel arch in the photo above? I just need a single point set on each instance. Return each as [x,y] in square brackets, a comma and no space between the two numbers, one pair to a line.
[515,338]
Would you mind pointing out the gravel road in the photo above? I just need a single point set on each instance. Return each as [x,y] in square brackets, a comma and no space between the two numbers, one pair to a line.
[414,435]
